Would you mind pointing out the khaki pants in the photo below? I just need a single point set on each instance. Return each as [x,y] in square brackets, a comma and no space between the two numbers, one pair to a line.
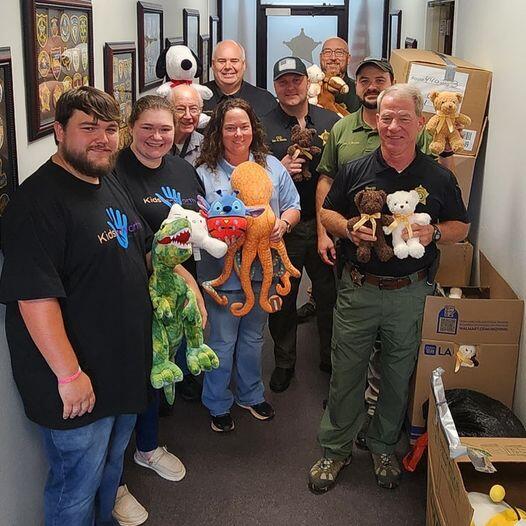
[361,313]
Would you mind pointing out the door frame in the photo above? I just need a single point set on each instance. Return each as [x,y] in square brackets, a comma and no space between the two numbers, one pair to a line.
[341,11]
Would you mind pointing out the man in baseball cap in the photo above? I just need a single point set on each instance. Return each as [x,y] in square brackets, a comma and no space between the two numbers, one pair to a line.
[289,65]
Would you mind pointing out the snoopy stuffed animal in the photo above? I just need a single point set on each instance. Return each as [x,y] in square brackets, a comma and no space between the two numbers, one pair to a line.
[179,65]
[402,205]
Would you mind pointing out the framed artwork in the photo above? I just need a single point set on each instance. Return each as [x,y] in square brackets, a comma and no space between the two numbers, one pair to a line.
[214,35]
[58,51]
[150,42]
[173,41]
[395,31]
[8,162]
[191,29]
[204,55]
[119,80]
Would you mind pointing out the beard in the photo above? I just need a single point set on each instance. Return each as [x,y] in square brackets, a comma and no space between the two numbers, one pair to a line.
[81,163]
[369,105]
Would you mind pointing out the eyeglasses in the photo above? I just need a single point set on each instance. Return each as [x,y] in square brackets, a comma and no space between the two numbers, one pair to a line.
[338,53]
[181,112]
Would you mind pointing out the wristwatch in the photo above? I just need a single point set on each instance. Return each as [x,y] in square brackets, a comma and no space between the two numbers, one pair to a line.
[437,234]
[289,226]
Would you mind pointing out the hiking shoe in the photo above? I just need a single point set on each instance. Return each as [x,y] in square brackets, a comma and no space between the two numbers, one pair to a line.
[222,423]
[127,510]
[322,475]
[164,463]
[280,379]
[306,311]
[189,389]
[361,438]
[262,411]
[387,470]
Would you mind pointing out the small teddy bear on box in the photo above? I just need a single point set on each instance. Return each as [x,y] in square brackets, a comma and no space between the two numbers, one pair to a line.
[370,204]
[402,205]
[444,125]
[302,147]
[316,77]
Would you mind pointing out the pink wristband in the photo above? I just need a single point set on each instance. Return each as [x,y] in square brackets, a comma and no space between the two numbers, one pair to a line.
[69,379]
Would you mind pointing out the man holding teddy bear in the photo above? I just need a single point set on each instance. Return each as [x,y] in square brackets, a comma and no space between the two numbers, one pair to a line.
[383,296]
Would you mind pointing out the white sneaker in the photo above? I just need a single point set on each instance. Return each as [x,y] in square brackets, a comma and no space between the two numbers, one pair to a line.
[127,509]
[164,463]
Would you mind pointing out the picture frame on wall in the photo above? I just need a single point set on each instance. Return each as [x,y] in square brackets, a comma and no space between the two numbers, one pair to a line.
[120,80]
[395,31]
[191,29]
[214,35]
[58,56]
[150,42]
[8,157]
[204,56]
[173,41]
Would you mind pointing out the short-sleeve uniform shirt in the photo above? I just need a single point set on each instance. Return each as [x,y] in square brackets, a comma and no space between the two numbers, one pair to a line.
[439,197]
[85,245]
[278,126]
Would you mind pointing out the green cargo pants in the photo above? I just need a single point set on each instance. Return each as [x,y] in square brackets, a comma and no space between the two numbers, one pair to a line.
[360,313]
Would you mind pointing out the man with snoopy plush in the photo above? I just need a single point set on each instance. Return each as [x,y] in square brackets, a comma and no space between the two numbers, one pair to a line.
[383,295]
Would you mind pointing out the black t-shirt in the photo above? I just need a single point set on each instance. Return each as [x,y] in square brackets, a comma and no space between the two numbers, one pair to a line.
[85,245]
[437,186]
[145,184]
[261,100]
[278,126]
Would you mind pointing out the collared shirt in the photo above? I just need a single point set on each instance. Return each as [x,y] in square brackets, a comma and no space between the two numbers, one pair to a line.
[278,126]
[440,197]
[284,197]
[191,151]
[261,100]
[350,138]
[350,100]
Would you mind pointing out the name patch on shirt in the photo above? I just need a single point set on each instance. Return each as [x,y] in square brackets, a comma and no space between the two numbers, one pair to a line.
[279,138]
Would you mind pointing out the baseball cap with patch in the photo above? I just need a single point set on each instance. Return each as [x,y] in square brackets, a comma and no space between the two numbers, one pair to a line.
[289,65]
[378,62]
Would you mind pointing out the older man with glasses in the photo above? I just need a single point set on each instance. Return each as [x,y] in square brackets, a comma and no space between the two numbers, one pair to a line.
[188,105]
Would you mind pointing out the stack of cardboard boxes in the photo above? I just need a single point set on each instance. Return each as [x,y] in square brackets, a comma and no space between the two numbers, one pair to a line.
[431,71]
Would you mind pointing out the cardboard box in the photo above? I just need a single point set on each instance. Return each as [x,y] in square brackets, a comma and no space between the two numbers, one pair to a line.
[489,318]
[455,265]
[431,71]
[464,168]
[449,481]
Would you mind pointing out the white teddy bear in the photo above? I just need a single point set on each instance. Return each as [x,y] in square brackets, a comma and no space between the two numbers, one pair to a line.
[316,77]
[402,205]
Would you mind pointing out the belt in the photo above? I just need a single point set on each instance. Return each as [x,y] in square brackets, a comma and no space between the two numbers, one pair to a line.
[387,283]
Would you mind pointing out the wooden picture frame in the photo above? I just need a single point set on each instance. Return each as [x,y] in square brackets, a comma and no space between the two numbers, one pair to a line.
[58,56]
[395,31]
[173,41]
[8,157]
[214,35]
[204,56]
[191,29]
[150,40]
[120,80]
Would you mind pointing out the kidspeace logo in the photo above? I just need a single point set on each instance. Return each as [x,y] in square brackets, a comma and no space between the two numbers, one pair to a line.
[119,224]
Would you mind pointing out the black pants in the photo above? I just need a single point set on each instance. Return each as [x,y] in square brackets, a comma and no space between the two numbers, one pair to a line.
[302,247]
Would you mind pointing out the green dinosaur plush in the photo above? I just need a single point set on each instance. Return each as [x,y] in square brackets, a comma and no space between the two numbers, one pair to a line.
[176,313]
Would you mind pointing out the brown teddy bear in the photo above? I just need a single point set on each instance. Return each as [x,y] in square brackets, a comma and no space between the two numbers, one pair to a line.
[330,87]
[445,124]
[302,147]
[370,204]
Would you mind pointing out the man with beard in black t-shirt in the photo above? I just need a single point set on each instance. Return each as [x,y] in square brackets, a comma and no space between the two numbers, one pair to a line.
[78,318]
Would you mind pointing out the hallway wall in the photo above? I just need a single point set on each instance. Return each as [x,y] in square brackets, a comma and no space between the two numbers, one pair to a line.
[22,464]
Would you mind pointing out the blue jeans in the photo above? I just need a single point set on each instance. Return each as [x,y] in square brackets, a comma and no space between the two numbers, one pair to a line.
[147,426]
[236,341]
[85,466]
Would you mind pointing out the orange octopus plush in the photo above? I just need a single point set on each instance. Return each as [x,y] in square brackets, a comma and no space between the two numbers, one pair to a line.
[254,188]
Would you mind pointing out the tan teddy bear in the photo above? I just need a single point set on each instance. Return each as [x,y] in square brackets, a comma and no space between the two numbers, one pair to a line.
[445,124]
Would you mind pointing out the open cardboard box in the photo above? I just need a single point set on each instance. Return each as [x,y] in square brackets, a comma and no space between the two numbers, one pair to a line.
[489,318]
[455,264]
[431,71]
[449,481]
